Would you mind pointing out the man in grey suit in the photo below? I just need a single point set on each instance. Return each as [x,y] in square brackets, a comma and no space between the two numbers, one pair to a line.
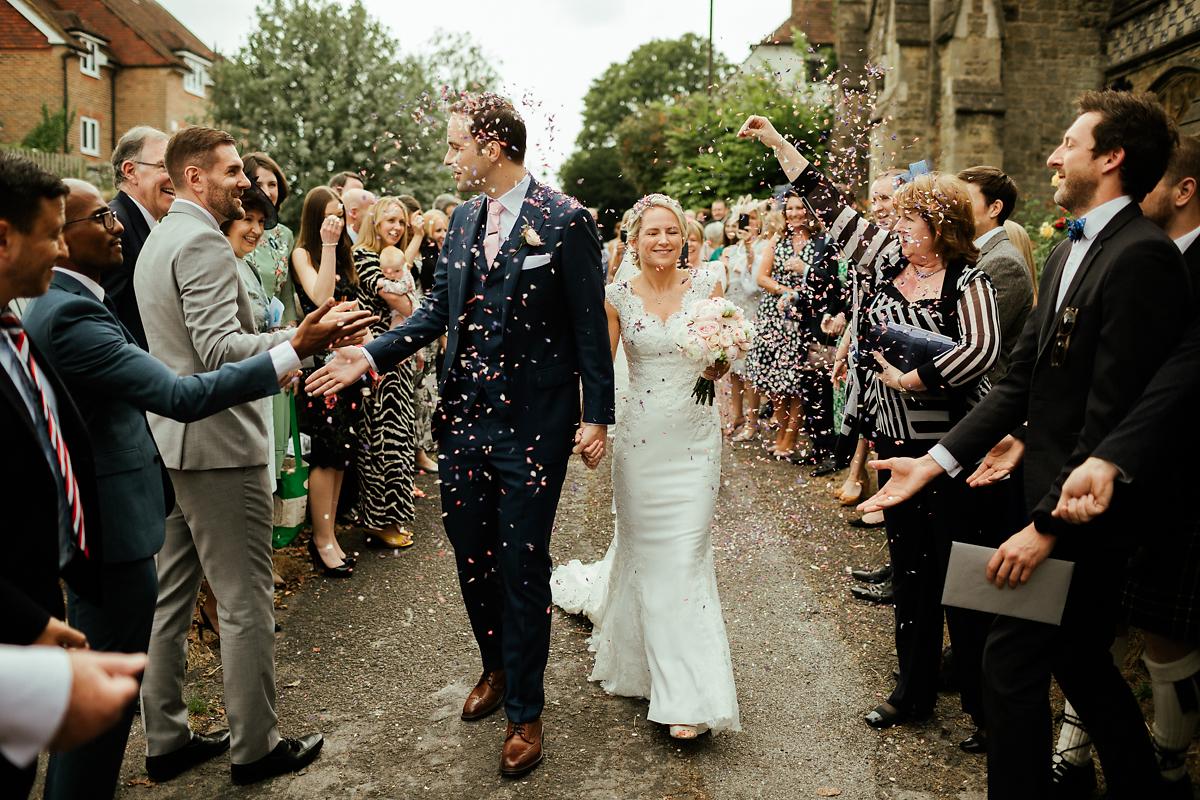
[993,198]
[197,316]
[114,382]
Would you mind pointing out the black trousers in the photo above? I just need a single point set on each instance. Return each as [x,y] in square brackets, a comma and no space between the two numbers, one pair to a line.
[1019,659]
[920,534]
[816,392]
[498,508]
[121,625]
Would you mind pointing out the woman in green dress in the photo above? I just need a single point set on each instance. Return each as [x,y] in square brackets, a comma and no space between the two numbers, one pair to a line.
[270,260]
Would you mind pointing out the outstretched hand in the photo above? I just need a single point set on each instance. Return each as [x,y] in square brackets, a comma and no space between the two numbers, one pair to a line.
[999,463]
[347,366]
[909,476]
[1087,491]
[331,322]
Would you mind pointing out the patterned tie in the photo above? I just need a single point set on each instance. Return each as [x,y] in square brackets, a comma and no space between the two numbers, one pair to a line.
[1075,229]
[491,237]
[12,326]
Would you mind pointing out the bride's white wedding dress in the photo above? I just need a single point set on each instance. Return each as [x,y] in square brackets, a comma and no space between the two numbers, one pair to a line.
[659,633]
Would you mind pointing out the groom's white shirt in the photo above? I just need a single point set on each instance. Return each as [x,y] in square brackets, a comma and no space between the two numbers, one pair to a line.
[512,200]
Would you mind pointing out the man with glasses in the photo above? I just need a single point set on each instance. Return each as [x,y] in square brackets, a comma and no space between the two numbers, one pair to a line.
[114,383]
[144,195]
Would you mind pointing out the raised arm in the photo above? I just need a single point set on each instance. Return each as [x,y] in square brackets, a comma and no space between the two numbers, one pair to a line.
[872,250]
[319,281]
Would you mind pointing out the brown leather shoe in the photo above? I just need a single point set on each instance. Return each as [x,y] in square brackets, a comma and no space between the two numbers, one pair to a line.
[522,748]
[486,697]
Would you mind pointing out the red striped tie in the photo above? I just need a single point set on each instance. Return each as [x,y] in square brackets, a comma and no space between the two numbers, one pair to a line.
[12,326]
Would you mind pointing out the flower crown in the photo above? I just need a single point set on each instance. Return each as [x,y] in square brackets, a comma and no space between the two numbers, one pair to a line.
[655,199]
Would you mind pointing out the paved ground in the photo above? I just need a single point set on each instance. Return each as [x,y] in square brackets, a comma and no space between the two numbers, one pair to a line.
[382,662]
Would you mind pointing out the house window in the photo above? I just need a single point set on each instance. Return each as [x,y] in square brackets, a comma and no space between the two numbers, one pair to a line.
[196,78]
[89,136]
[89,60]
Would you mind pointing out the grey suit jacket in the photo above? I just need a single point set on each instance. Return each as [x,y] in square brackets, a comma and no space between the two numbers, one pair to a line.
[113,382]
[1005,265]
[197,317]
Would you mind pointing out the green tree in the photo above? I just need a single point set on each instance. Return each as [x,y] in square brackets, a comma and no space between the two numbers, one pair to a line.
[321,87]
[658,71]
[700,156]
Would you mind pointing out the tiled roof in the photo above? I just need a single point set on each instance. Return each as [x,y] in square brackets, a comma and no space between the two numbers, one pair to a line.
[18,33]
[138,33]
[813,17]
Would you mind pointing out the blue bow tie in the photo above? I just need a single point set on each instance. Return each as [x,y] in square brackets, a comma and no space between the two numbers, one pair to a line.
[1075,229]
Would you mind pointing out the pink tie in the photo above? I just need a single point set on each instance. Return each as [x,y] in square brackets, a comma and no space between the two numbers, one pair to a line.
[491,237]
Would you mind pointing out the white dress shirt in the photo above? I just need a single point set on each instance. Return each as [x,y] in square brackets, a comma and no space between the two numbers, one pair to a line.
[984,238]
[35,686]
[1094,222]
[1187,240]
[151,221]
[512,200]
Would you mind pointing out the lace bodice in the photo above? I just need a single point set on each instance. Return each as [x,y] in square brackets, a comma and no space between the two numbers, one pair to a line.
[660,377]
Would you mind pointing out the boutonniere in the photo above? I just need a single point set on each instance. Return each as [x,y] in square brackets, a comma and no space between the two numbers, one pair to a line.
[530,236]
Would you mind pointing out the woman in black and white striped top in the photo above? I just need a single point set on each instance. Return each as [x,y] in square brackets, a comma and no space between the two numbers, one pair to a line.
[923,274]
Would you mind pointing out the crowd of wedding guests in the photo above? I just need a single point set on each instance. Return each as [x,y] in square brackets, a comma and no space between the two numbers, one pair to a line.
[1045,423]
[189,271]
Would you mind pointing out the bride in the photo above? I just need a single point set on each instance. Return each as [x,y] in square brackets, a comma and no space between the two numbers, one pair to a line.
[659,632]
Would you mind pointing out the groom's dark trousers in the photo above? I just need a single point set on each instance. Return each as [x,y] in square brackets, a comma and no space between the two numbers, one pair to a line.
[520,334]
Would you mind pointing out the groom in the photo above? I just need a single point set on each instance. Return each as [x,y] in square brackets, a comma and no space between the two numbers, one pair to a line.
[519,291]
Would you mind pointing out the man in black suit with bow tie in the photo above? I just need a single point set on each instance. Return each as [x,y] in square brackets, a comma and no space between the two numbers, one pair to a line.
[1114,301]
[144,195]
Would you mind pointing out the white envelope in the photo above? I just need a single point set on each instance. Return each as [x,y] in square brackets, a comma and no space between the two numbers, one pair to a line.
[533,262]
[1041,599]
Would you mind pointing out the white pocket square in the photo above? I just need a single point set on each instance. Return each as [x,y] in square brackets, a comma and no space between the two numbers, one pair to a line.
[533,262]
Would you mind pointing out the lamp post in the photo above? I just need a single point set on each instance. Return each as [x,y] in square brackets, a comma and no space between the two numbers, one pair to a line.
[710,45]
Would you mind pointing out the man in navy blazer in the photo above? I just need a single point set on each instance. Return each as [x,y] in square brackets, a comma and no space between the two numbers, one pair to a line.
[114,382]
[519,291]
[144,194]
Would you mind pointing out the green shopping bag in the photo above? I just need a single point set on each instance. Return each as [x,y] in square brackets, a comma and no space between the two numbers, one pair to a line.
[291,493]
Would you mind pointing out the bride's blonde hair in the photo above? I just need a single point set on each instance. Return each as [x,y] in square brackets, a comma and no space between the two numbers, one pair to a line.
[639,210]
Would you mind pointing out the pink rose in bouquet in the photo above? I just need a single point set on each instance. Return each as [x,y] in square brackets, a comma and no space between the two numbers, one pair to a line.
[713,331]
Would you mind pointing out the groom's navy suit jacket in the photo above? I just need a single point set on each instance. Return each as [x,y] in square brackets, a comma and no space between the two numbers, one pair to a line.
[549,300]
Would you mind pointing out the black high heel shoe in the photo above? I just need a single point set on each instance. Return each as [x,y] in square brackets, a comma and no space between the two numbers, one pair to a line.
[883,716]
[342,570]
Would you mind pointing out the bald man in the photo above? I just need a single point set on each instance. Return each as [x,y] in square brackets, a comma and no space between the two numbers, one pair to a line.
[356,202]
[114,382]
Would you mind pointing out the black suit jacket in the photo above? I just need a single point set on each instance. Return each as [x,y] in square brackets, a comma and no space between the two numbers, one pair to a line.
[118,283]
[1159,436]
[555,327]
[1131,302]
[30,497]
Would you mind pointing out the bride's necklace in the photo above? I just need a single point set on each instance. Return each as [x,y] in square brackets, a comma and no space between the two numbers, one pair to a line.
[659,297]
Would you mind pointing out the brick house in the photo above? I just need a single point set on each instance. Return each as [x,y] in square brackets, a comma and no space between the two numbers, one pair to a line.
[777,52]
[105,65]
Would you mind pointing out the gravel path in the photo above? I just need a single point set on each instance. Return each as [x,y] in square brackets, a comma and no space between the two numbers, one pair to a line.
[381,663]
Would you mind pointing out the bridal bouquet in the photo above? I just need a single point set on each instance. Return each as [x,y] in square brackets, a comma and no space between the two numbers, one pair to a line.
[711,332]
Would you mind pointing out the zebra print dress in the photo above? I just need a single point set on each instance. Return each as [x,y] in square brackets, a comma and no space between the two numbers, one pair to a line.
[966,311]
[386,461]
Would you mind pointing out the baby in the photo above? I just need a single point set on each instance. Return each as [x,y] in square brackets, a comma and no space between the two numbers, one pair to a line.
[397,280]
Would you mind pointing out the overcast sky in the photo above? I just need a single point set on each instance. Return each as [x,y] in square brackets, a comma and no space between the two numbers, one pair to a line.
[547,51]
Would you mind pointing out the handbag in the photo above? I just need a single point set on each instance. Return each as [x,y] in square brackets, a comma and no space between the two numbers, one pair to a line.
[906,347]
[291,493]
